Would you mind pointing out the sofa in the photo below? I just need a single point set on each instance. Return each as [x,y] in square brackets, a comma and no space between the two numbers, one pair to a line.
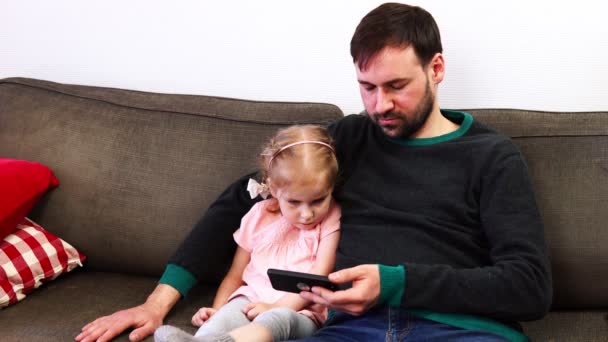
[138,169]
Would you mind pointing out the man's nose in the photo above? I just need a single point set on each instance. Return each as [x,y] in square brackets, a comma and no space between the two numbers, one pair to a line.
[384,101]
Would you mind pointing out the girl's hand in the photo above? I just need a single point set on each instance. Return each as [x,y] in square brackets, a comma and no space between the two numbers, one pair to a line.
[252,310]
[202,315]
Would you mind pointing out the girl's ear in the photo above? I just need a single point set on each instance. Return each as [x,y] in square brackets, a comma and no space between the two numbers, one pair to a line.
[271,188]
[273,205]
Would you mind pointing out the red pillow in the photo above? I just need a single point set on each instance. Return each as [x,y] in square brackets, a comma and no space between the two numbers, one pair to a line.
[30,257]
[22,183]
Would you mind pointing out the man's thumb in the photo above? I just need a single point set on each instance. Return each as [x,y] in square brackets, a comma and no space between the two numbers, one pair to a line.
[343,276]
[141,333]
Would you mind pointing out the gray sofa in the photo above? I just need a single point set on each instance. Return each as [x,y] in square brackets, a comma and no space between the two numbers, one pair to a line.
[138,169]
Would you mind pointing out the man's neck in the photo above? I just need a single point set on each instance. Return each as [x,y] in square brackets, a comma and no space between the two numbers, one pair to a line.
[436,125]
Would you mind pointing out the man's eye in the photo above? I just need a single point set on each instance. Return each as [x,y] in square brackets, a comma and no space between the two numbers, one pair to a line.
[369,87]
[397,86]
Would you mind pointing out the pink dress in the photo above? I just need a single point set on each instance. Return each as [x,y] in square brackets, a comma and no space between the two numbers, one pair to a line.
[275,243]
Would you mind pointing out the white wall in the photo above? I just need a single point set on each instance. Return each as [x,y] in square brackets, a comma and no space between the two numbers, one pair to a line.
[546,55]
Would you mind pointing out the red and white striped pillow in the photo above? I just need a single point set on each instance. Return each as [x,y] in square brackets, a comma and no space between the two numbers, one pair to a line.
[31,256]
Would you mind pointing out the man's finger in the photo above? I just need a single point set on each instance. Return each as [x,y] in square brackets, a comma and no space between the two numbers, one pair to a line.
[346,275]
[323,301]
[314,297]
[343,300]
[93,334]
[116,327]
[141,333]
[345,297]
[323,292]
[92,326]
[86,327]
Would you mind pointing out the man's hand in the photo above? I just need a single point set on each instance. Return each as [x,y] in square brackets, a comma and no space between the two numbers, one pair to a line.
[355,301]
[252,310]
[144,319]
[202,315]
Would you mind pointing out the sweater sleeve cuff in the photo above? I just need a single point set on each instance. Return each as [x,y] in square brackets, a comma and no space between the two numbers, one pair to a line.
[392,285]
[179,278]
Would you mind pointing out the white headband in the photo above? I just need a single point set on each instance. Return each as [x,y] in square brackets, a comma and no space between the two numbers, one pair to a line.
[298,143]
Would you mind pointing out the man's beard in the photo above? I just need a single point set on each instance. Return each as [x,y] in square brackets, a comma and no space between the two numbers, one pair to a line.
[412,123]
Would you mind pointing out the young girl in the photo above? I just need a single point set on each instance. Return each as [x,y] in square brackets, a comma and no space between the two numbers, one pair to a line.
[296,229]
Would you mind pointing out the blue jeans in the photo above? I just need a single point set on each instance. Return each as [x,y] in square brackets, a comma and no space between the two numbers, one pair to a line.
[390,324]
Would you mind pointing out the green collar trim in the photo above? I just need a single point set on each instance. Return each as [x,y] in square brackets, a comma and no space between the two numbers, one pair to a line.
[464,119]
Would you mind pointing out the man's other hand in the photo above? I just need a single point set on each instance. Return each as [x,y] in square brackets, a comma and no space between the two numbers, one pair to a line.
[357,300]
[144,318]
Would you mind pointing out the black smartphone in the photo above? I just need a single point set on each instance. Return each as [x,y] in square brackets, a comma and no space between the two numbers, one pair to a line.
[296,282]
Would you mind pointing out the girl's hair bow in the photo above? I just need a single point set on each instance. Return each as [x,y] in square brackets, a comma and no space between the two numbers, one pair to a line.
[256,189]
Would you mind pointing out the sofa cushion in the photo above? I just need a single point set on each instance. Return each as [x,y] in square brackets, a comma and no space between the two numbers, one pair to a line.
[31,256]
[22,183]
[73,300]
[582,325]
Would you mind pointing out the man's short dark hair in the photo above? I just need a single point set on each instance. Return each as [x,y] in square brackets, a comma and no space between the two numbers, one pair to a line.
[395,25]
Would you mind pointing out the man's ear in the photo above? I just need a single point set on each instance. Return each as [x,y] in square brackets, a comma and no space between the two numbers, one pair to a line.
[436,68]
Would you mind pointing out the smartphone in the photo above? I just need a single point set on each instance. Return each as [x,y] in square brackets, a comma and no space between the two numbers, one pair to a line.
[297,282]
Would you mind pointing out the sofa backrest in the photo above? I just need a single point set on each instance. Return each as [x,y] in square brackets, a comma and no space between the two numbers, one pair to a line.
[567,156]
[137,169]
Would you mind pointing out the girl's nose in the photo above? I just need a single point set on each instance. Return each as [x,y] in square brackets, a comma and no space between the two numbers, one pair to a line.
[306,213]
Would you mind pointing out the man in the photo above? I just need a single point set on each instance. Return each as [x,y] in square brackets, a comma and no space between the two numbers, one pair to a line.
[441,236]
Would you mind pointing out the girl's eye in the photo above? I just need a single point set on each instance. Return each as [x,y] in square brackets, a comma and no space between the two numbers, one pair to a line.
[318,201]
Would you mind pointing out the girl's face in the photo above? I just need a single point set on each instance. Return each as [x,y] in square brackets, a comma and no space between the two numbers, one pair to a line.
[304,205]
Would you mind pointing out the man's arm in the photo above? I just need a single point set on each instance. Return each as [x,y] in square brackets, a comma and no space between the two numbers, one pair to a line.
[210,239]
[516,286]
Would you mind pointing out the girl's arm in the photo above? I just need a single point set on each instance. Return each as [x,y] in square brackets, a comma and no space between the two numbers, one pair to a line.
[324,264]
[234,279]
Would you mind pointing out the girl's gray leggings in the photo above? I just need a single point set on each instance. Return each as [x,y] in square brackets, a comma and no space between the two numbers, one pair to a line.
[284,323]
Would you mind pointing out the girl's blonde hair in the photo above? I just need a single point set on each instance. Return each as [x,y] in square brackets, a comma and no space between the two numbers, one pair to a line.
[312,160]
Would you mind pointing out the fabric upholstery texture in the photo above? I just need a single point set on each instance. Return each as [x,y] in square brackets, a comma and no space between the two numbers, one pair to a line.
[58,310]
[138,169]
[31,256]
[22,183]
